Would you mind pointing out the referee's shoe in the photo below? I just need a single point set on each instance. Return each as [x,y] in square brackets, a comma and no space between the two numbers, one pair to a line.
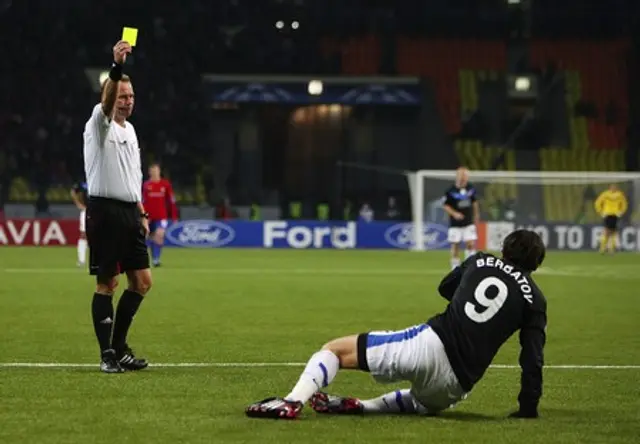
[128,361]
[109,363]
[121,362]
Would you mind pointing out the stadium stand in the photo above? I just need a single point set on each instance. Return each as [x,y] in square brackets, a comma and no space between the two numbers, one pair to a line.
[41,147]
[598,78]
[441,62]
[595,82]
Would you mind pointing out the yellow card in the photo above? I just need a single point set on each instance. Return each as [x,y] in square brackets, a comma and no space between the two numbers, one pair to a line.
[130,35]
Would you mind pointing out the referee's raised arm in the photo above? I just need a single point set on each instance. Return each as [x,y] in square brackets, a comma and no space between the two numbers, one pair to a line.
[110,90]
[116,223]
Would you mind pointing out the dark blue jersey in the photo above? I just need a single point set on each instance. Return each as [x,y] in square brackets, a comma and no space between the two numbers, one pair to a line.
[461,200]
[491,299]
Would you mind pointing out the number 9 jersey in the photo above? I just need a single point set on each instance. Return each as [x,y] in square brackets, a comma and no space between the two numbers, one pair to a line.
[491,299]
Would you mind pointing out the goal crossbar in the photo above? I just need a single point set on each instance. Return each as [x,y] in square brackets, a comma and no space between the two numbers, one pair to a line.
[582,176]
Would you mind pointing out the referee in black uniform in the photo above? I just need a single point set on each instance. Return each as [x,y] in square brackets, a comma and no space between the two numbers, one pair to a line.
[116,224]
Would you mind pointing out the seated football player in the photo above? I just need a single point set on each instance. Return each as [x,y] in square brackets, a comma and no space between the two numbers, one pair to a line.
[490,298]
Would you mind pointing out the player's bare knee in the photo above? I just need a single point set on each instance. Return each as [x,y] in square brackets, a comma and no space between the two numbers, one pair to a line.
[345,349]
[330,346]
[107,285]
[141,282]
[141,287]
[83,235]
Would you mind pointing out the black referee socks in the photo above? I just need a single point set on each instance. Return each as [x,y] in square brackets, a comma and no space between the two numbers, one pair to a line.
[102,311]
[127,308]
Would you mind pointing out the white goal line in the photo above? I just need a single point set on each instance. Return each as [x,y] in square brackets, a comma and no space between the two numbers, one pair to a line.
[280,364]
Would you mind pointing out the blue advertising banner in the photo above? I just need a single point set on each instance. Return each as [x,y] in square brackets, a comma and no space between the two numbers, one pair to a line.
[375,235]
[301,234]
[298,91]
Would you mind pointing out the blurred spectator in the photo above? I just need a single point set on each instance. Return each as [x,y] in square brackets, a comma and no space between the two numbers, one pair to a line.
[392,209]
[366,213]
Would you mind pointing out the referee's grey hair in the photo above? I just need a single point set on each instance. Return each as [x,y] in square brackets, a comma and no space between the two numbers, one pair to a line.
[125,78]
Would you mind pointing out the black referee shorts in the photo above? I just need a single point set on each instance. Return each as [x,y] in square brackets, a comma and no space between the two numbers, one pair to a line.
[611,223]
[116,237]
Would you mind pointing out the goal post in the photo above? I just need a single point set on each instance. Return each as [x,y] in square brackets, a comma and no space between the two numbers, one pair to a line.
[522,197]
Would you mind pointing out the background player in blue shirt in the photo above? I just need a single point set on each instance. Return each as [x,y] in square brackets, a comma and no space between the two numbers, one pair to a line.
[460,203]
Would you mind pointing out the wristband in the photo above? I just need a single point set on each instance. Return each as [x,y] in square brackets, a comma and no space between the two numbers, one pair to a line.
[115,73]
[144,215]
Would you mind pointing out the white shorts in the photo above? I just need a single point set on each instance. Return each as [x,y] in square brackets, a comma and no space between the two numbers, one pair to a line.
[456,235]
[83,221]
[417,355]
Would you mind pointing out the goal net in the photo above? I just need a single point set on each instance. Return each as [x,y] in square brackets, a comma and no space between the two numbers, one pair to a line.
[512,199]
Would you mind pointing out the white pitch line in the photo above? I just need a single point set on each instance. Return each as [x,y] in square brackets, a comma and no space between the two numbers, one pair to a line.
[570,272]
[277,271]
[282,364]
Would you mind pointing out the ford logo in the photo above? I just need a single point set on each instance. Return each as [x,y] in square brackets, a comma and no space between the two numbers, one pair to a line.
[200,234]
[402,236]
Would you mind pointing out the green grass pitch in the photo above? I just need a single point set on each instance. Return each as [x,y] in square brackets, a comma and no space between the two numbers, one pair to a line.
[225,314]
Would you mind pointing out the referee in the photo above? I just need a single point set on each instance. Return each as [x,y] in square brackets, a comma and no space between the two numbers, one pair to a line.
[611,205]
[116,224]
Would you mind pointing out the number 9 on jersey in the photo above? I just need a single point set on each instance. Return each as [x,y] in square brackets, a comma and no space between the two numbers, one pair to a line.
[488,307]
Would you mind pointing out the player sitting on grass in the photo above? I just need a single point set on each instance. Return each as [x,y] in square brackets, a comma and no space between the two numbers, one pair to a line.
[490,299]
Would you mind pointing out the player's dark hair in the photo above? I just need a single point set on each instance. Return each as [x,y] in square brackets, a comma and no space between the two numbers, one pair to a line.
[525,249]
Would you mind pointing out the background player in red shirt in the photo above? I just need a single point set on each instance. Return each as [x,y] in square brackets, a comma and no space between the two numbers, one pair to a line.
[159,201]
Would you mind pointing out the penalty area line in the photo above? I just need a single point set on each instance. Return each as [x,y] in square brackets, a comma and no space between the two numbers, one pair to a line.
[281,364]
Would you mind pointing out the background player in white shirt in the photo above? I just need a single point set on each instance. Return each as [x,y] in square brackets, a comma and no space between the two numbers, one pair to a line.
[79,197]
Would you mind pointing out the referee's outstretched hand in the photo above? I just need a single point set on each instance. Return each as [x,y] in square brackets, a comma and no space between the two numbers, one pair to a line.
[120,51]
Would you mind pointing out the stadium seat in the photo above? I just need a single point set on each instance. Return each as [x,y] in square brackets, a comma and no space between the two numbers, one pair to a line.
[468,90]
[19,191]
[595,73]
[441,61]
[361,56]
[58,194]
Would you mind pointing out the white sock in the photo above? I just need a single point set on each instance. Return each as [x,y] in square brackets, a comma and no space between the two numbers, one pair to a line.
[454,262]
[82,250]
[319,372]
[400,401]
[468,253]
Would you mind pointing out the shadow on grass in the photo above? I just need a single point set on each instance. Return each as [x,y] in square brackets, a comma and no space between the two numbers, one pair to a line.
[447,416]
[467,416]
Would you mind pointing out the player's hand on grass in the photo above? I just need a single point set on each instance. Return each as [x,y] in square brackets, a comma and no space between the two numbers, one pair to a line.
[525,414]
[120,51]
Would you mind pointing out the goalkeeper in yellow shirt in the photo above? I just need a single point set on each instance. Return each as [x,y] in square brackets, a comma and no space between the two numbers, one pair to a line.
[611,204]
